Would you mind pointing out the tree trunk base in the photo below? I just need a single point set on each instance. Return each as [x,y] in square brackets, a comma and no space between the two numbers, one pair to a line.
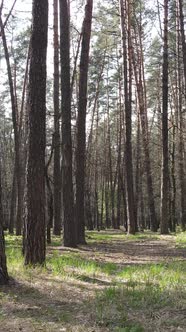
[82,242]
[3,279]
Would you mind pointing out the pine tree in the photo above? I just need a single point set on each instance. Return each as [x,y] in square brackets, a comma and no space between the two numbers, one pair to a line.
[35,226]
[165,158]
[67,185]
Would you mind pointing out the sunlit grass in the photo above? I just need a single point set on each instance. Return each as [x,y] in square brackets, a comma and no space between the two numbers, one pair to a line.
[162,274]
[72,263]
[149,287]
[181,240]
[144,289]
[106,236]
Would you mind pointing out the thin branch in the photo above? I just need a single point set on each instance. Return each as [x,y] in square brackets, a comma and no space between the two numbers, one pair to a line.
[9,14]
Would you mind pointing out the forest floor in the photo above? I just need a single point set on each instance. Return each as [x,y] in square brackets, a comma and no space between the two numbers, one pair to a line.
[117,283]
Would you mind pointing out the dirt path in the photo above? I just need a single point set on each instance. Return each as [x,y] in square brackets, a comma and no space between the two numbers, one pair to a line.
[48,303]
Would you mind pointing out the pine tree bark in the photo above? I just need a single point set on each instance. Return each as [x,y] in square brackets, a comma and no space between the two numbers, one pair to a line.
[137,170]
[182,30]
[138,73]
[13,203]
[67,184]
[81,124]
[128,117]
[16,131]
[173,178]
[110,166]
[165,157]
[3,266]
[181,122]
[119,187]
[35,228]
[57,170]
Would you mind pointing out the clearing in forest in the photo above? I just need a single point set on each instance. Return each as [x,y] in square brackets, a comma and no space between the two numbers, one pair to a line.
[116,283]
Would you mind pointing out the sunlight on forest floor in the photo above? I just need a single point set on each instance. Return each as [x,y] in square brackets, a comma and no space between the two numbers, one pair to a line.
[116,283]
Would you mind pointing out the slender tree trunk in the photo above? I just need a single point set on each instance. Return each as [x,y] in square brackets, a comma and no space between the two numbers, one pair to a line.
[124,192]
[35,246]
[108,223]
[119,189]
[173,196]
[128,115]
[102,200]
[67,184]
[141,201]
[110,167]
[57,168]
[81,123]
[182,28]
[137,173]
[13,203]
[3,266]
[165,157]
[50,213]
[16,131]
[96,182]
[181,129]
[141,88]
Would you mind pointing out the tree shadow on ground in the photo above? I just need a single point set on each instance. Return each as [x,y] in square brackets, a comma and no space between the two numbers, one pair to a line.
[141,249]
[151,307]
[28,302]
[127,305]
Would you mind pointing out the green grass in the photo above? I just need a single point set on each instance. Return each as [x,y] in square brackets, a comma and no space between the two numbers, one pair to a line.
[181,240]
[72,263]
[125,298]
[106,236]
[147,288]
[165,274]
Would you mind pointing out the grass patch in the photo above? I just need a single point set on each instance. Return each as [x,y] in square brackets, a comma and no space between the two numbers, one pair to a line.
[90,283]
[72,263]
[56,241]
[107,236]
[111,311]
[164,275]
[148,289]
[181,240]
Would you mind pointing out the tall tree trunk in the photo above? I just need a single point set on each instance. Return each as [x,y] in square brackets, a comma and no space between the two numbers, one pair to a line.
[67,184]
[50,212]
[13,203]
[57,169]
[165,157]
[16,131]
[35,246]
[119,190]
[137,173]
[128,115]
[102,200]
[3,267]
[173,178]
[141,89]
[181,123]
[110,166]
[81,123]
[182,28]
